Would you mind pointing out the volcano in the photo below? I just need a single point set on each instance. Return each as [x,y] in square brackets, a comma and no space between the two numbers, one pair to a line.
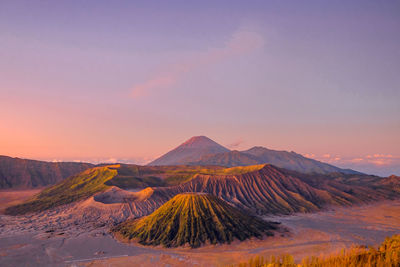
[190,151]
[202,151]
[194,219]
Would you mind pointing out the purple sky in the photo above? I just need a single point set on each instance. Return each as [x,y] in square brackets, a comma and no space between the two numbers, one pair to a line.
[103,80]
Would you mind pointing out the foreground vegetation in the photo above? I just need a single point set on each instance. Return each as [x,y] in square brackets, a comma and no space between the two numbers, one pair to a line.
[77,187]
[387,255]
[194,219]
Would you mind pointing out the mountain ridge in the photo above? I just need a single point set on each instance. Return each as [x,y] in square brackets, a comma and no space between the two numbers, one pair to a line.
[260,189]
[196,151]
[27,173]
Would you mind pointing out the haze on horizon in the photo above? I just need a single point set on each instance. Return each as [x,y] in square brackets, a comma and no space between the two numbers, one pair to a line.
[124,81]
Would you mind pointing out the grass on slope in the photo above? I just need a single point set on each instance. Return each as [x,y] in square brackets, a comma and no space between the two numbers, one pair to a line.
[97,179]
[133,176]
[78,187]
[123,181]
[194,219]
[388,254]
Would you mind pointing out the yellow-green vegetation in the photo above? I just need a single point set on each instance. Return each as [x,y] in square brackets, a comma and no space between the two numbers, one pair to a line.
[97,179]
[72,189]
[240,170]
[133,176]
[194,219]
[387,255]
[124,181]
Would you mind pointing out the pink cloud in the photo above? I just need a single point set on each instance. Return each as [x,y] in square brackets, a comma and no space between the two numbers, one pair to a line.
[330,158]
[355,160]
[156,82]
[111,160]
[380,162]
[376,159]
[241,42]
[383,156]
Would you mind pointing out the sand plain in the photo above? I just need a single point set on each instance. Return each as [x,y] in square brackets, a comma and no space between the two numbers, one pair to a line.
[55,239]
[10,197]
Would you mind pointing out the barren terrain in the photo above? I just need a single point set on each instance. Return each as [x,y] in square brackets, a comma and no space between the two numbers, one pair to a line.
[52,238]
[9,197]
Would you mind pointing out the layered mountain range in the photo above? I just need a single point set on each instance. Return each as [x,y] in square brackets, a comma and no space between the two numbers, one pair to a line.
[197,151]
[25,173]
[192,196]
[259,189]
[195,205]
[200,150]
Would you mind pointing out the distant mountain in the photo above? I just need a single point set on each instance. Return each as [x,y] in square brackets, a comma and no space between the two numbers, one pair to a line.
[203,151]
[25,173]
[195,219]
[293,161]
[190,151]
[228,159]
[261,155]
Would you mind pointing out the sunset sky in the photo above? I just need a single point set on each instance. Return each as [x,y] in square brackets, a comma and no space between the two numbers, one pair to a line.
[129,80]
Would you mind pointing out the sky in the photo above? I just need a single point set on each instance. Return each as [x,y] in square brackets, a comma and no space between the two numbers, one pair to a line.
[127,81]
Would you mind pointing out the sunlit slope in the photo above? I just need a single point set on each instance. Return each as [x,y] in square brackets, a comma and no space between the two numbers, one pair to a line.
[194,219]
[262,189]
[265,190]
[72,189]
[134,176]
[98,179]
[270,190]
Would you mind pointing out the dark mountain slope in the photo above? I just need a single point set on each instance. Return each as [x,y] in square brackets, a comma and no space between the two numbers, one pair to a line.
[201,150]
[392,181]
[261,155]
[25,173]
[293,161]
[228,159]
[194,219]
[191,150]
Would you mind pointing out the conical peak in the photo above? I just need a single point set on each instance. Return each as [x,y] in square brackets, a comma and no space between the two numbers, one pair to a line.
[197,141]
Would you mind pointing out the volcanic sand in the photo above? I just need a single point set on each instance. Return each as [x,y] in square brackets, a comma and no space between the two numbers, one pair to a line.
[27,240]
[13,197]
[315,234]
